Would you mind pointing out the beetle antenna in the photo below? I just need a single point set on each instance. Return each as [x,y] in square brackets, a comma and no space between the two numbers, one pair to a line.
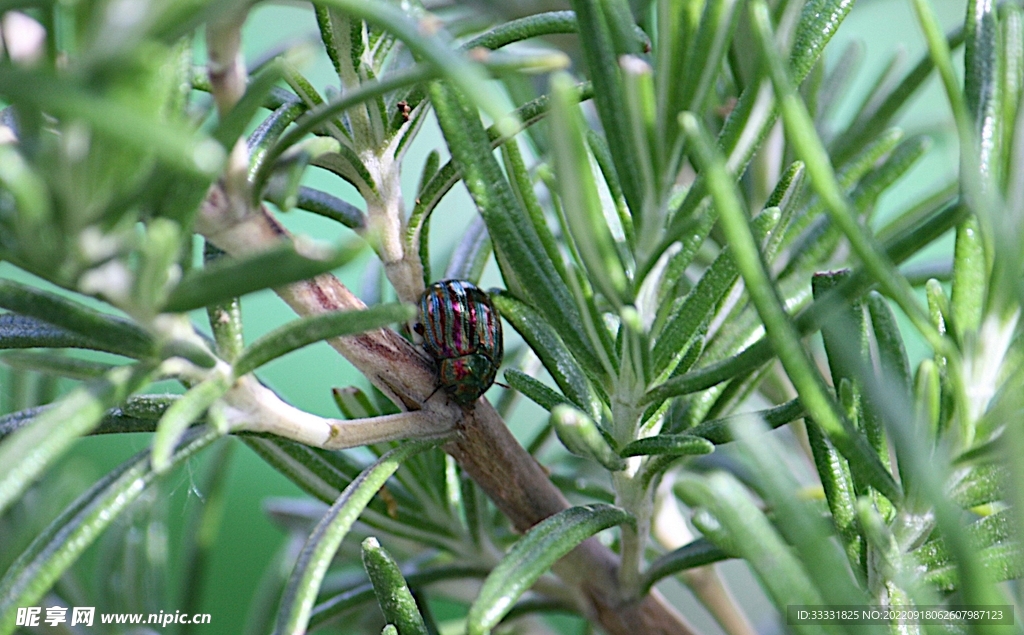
[438,387]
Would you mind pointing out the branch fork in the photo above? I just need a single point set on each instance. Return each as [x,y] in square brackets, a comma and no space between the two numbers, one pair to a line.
[480,441]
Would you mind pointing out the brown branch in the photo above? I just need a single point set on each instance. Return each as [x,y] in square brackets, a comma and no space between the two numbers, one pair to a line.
[481,442]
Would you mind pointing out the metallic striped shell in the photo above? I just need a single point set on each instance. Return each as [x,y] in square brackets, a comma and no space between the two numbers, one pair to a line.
[462,331]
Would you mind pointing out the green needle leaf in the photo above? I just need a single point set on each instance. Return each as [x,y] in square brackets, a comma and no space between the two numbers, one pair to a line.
[229,278]
[172,142]
[553,352]
[392,591]
[26,453]
[740,527]
[597,40]
[800,131]
[299,333]
[536,391]
[182,413]
[671,444]
[581,436]
[64,540]
[114,334]
[780,330]
[524,262]
[579,195]
[523,29]
[304,584]
[54,364]
[533,555]
[698,553]
[455,67]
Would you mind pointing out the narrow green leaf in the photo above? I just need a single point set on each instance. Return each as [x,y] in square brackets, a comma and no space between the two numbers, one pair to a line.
[269,131]
[520,29]
[524,262]
[182,413]
[717,25]
[543,545]
[581,436]
[651,149]
[305,331]
[176,144]
[552,350]
[580,199]
[115,334]
[321,546]
[137,414]
[333,44]
[980,485]
[836,82]
[970,278]
[670,444]
[981,84]
[54,364]
[837,483]
[203,527]
[869,124]
[731,511]
[800,131]
[599,50]
[22,331]
[537,392]
[64,540]
[275,267]
[522,185]
[1001,562]
[453,66]
[26,453]
[361,594]
[800,522]
[321,475]
[780,330]
[393,595]
[844,333]
[719,431]
[673,279]
[998,552]
[1011,63]
[903,158]
[698,553]
[676,337]
[599,148]
[329,206]
[892,359]
[928,398]
[472,253]
[233,124]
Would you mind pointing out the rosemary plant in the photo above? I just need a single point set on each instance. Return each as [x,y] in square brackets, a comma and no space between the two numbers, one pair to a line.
[686,241]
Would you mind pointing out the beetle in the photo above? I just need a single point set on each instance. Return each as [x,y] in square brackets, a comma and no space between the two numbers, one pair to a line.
[461,330]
